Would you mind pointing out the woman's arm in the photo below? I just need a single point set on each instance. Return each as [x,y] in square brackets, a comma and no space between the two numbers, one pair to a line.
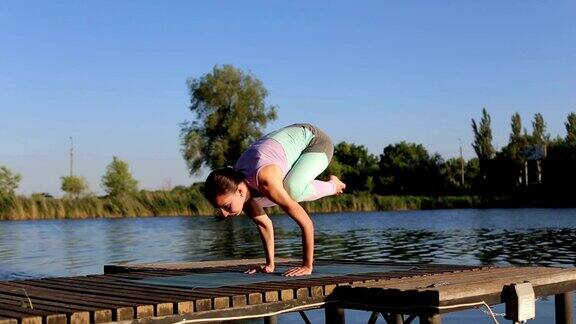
[266,231]
[270,184]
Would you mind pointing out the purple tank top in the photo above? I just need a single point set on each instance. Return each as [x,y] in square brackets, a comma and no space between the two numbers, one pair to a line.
[263,152]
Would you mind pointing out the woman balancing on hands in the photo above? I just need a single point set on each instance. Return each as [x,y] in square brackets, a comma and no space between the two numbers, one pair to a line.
[279,169]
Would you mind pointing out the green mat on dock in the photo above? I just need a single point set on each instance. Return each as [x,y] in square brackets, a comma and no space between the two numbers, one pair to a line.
[221,279]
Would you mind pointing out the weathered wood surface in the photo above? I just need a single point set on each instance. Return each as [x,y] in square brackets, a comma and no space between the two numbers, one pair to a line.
[113,268]
[448,292]
[422,290]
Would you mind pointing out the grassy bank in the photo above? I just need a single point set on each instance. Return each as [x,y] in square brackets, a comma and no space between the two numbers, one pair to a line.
[191,202]
[160,203]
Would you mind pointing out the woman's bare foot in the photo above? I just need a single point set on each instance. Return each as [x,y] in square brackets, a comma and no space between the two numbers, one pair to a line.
[340,186]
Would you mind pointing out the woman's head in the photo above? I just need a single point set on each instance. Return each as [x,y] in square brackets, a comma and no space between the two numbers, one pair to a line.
[226,190]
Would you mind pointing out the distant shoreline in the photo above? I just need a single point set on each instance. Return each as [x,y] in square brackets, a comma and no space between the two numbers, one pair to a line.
[192,203]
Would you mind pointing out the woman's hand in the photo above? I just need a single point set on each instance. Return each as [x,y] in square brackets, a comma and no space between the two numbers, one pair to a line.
[269,268]
[298,271]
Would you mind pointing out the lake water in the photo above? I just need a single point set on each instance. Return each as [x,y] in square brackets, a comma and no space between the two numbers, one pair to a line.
[32,249]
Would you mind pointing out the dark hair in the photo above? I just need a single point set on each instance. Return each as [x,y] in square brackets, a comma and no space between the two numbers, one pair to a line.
[222,181]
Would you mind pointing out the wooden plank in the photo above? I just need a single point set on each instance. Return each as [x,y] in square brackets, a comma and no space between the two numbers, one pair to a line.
[190,265]
[349,279]
[497,298]
[386,288]
[154,291]
[449,278]
[452,278]
[20,312]
[219,300]
[4,320]
[75,315]
[154,305]
[165,300]
[316,291]
[512,275]
[138,276]
[463,290]
[302,293]
[237,265]
[184,307]
[269,294]
[237,294]
[239,300]
[291,289]
[251,295]
[181,293]
[204,304]
[120,310]
[283,293]
[48,303]
[329,289]
[58,295]
[144,305]
[88,291]
[390,296]
[256,294]
[100,315]
[22,318]
[178,301]
[94,316]
[164,309]
[398,263]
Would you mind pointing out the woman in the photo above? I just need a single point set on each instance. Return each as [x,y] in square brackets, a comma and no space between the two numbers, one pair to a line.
[279,169]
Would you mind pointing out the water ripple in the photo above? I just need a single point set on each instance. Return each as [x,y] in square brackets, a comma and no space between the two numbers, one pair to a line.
[76,247]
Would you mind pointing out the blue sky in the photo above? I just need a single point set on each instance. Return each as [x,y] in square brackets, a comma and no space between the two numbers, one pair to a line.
[112,75]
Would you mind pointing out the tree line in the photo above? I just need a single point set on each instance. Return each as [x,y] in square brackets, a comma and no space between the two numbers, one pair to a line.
[529,162]
[116,181]
[230,112]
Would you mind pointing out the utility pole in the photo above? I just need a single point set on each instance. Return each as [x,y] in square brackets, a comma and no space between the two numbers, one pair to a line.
[71,157]
[461,164]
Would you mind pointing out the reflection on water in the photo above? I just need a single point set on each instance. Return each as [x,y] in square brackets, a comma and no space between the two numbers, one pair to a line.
[521,236]
[75,247]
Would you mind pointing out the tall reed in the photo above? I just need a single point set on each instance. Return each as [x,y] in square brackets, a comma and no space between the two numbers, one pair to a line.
[192,202]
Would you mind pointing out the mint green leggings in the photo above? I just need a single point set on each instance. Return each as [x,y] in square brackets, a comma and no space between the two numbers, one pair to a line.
[306,162]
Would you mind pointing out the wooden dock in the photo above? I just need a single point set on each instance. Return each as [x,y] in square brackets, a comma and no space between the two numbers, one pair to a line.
[154,293]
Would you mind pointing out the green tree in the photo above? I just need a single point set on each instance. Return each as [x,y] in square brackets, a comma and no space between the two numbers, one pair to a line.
[539,135]
[518,141]
[9,181]
[516,125]
[451,169]
[512,156]
[483,137]
[472,173]
[559,168]
[483,141]
[118,179]
[407,168]
[74,186]
[354,165]
[230,110]
[571,129]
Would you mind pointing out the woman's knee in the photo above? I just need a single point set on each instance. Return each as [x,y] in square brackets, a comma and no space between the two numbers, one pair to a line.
[295,188]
